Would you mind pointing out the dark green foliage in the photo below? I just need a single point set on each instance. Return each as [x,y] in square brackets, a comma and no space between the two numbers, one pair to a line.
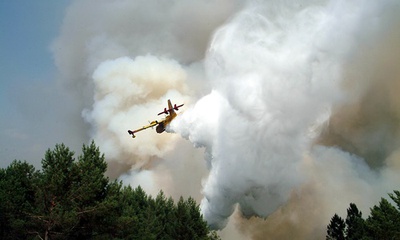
[383,222]
[72,199]
[190,224]
[396,198]
[336,228]
[355,223]
[17,198]
[143,217]
[70,194]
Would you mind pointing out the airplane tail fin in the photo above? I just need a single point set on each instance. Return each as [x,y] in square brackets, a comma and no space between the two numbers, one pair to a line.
[169,104]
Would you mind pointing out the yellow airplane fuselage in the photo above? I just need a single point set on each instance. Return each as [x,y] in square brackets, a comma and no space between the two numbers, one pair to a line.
[164,123]
[171,114]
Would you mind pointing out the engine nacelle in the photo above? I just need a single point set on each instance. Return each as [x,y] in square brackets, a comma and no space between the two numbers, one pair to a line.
[160,128]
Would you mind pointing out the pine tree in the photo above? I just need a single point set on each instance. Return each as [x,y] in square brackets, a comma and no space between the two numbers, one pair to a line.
[164,210]
[396,198]
[88,192]
[384,221]
[336,228]
[17,196]
[355,224]
[70,195]
[72,199]
[54,214]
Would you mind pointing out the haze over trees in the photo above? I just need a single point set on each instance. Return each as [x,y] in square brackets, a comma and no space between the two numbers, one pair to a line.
[73,199]
[382,223]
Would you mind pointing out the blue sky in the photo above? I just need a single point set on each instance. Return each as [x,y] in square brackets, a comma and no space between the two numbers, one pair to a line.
[27,30]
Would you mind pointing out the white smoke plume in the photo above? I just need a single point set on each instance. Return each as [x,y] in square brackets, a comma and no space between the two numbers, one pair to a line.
[273,80]
[291,110]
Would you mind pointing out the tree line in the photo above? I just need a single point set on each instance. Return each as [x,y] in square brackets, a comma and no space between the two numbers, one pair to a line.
[73,199]
[382,223]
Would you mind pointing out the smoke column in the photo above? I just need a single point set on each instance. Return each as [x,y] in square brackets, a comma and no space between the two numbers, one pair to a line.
[291,108]
[287,83]
[273,80]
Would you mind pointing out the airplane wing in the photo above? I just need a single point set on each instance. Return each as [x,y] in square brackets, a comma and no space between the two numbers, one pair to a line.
[164,112]
[152,124]
[177,107]
[170,108]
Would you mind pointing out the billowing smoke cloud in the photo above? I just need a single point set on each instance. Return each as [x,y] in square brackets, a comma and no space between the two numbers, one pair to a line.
[134,56]
[128,92]
[291,110]
[271,85]
[278,70]
[98,31]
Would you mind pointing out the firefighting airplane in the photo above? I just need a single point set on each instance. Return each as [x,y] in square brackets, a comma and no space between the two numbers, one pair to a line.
[171,114]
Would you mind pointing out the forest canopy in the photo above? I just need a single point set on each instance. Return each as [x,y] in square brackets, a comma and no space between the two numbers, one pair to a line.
[73,199]
[382,223]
